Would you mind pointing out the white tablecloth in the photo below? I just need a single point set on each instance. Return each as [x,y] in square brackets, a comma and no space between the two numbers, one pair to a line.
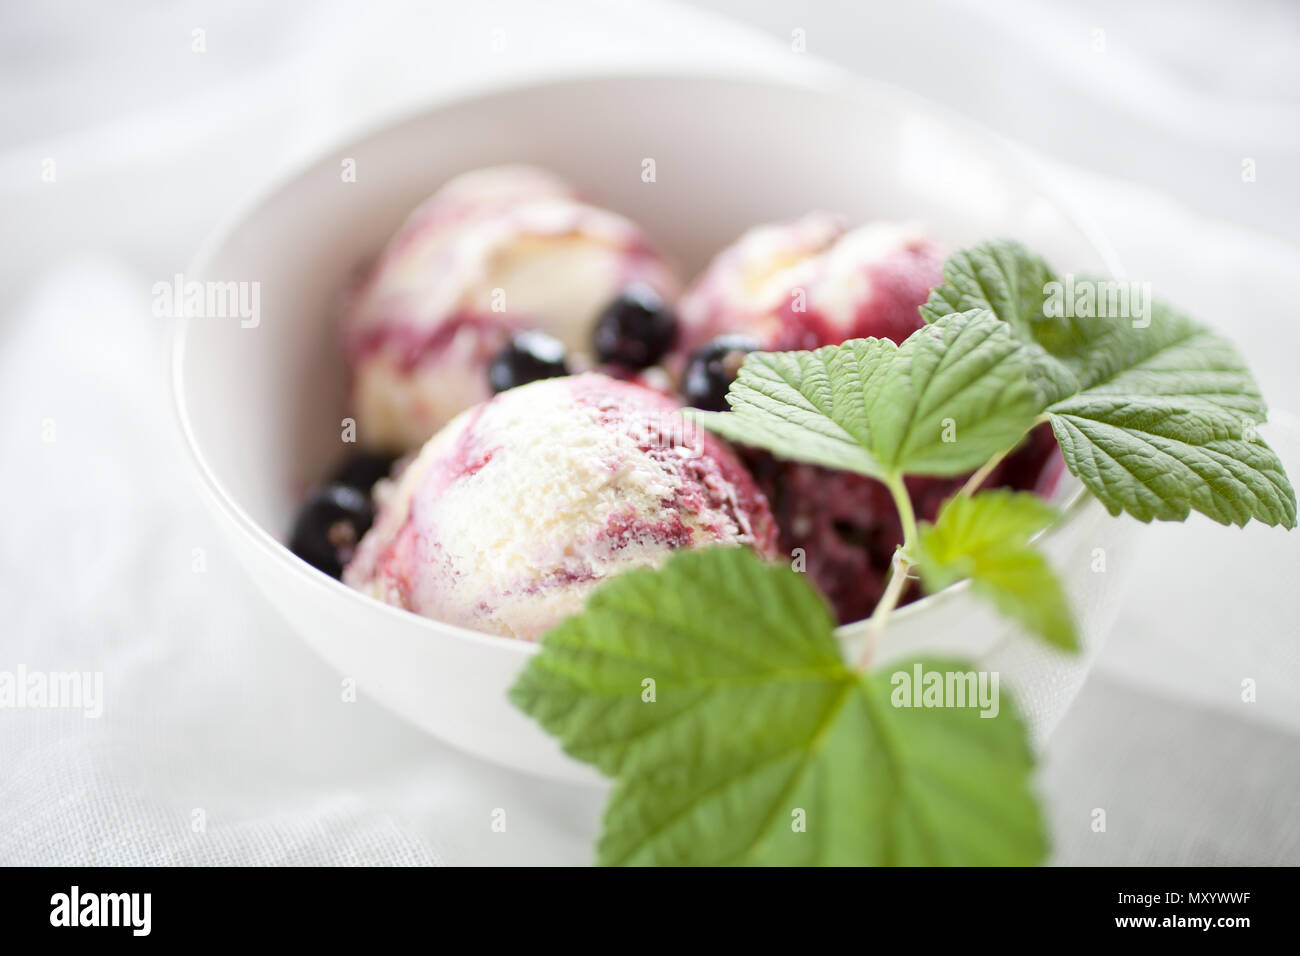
[223,740]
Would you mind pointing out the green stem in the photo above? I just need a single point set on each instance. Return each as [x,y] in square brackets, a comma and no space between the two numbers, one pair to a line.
[903,502]
[898,576]
[899,568]
[981,475]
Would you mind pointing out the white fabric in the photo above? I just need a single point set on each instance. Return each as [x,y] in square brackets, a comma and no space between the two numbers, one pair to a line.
[212,705]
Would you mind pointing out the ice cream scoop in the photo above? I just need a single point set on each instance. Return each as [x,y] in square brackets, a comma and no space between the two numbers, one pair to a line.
[493,252]
[513,513]
[812,282]
[802,285]
[848,526]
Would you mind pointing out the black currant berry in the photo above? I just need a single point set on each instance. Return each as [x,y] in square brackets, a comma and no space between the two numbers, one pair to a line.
[528,357]
[636,329]
[362,470]
[711,370]
[329,525]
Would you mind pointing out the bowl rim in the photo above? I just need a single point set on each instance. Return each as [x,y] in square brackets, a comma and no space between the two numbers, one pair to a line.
[827,81]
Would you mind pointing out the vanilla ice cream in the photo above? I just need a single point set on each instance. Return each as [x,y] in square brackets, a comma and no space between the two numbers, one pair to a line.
[812,282]
[516,510]
[802,285]
[493,252]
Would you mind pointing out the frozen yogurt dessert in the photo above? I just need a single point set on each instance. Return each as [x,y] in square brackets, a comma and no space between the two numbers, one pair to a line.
[544,345]
[491,254]
[808,283]
[802,285]
[846,524]
[516,510]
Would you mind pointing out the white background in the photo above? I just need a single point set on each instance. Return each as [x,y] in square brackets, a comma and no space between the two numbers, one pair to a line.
[212,706]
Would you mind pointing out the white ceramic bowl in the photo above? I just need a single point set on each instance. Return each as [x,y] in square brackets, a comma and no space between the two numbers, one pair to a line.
[260,407]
